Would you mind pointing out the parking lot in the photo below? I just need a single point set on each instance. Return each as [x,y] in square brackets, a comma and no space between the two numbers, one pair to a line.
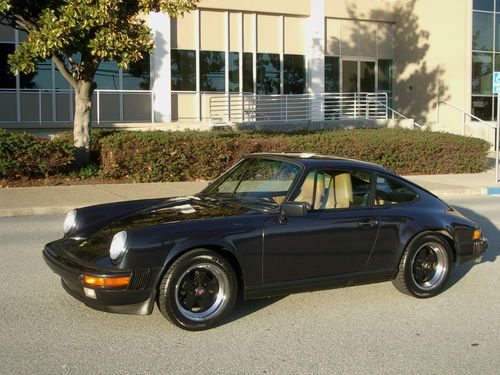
[366,329]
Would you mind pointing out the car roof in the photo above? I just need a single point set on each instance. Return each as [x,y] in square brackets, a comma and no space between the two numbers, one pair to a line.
[316,160]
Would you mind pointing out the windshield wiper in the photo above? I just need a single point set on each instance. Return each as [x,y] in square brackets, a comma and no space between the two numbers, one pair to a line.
[263,201]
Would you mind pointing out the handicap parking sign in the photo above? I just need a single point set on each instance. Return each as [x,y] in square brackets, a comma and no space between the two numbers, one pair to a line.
[496,82]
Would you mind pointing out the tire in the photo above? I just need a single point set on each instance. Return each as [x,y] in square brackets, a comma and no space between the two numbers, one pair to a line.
[198,290]
[425,267]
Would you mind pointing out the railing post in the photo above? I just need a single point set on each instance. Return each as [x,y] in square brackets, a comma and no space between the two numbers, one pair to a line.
[463,123]
[437,112]
[152,107]
[367,107]
[98,107]
[355,105]
[40,107]
[286,107]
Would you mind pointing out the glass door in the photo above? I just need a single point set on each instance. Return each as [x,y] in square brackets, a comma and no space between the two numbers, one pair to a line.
[358,76]
[367,76]
[349,76]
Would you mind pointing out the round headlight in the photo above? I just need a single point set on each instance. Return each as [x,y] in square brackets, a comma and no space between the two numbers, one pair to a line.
[69,221]
[118,245]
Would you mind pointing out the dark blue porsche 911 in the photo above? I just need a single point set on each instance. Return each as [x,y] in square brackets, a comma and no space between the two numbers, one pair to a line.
[271,225]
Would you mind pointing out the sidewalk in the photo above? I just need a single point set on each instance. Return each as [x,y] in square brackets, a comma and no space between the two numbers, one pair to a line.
[61,199]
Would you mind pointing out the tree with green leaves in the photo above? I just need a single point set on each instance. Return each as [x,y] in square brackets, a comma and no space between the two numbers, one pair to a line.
[78,35]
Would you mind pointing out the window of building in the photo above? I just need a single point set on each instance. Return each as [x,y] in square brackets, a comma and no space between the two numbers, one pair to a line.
[247,72]
[7,79]
[482,106]
[183,64]
[385,75]
[482,73]
[485,56]
[137,76]
[294,74]
[40,79]
[107,76]
[268,73]
[483,5]
[367,76]
[212,68]
[60,81]
[389,192]
[234,69]
[482,31]
[332,74]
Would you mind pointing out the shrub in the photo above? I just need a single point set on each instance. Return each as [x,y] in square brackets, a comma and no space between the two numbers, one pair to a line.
[23,155]
[184,156]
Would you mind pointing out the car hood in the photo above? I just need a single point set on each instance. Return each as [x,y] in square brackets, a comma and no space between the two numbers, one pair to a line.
[94,247]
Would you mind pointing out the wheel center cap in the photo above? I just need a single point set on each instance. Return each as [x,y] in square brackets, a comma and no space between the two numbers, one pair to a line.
[200,291]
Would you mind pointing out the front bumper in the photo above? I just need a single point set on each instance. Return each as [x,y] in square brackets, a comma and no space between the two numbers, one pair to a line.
[137,298]
[479,247]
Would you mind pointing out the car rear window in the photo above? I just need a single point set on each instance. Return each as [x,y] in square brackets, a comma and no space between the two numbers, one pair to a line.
[389,192]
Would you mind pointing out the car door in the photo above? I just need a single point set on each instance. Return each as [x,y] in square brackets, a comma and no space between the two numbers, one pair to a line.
[336,236]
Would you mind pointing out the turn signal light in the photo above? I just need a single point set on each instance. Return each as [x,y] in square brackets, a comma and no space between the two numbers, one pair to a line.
[106,281]
[477,235]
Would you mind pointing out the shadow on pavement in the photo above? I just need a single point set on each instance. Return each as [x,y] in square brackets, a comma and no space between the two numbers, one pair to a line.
[244,308]
[490,231]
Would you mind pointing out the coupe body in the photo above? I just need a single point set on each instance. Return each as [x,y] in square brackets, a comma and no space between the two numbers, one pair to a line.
[271,225]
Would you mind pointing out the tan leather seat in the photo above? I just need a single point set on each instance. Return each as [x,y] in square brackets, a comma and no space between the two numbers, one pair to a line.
[307,190]
[339,192]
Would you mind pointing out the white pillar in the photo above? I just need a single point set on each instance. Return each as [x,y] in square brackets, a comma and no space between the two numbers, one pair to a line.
[315,45]
[160,67]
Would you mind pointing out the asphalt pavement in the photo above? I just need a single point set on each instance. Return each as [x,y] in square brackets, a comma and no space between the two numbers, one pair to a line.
[371,329]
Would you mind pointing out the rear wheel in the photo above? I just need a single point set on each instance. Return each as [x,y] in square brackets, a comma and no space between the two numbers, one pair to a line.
[425,266]
[198,290]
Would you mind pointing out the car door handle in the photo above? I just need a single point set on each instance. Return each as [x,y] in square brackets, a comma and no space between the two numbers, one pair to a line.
[368,224]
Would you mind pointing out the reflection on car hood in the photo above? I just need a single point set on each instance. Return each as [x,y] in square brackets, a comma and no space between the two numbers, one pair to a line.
[96,245]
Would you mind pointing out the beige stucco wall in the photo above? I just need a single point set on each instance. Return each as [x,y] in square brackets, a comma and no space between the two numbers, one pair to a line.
[234,31]
[268,33]
[295,39]
[374,10]
[432,58]
[212,30]
[182,31]
[297,7]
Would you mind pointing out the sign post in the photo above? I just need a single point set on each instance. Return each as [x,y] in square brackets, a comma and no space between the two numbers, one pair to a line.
[496,90]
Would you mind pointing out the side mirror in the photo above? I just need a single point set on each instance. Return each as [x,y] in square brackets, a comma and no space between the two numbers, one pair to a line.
[297,209]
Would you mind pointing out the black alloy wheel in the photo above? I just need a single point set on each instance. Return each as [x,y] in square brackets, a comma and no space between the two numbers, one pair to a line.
[425,266]
[198,290]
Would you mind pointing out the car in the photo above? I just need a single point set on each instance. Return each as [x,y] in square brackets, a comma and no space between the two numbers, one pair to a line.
[273,224]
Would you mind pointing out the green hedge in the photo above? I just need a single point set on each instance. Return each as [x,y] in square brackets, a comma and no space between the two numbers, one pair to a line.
[185,156]
[23,155]
[188,156]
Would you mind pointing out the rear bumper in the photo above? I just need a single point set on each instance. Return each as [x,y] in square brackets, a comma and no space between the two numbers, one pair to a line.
[479,247]
[115,300]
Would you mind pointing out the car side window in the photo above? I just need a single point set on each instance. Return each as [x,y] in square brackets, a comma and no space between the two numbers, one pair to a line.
[335,190]
[389,192]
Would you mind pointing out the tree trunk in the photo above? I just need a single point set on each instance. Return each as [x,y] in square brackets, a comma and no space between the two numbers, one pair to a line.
[82,122]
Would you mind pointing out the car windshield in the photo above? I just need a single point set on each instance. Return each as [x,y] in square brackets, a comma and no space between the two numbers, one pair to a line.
[260,180]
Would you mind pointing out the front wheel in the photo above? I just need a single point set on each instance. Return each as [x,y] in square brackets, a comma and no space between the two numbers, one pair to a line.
[425,267]
[198,290]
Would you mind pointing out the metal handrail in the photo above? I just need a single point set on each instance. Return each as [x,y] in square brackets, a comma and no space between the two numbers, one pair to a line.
[297,107]
[394,112]
[464,114]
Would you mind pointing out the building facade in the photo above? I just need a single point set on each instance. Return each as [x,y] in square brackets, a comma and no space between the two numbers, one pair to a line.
[419,52]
